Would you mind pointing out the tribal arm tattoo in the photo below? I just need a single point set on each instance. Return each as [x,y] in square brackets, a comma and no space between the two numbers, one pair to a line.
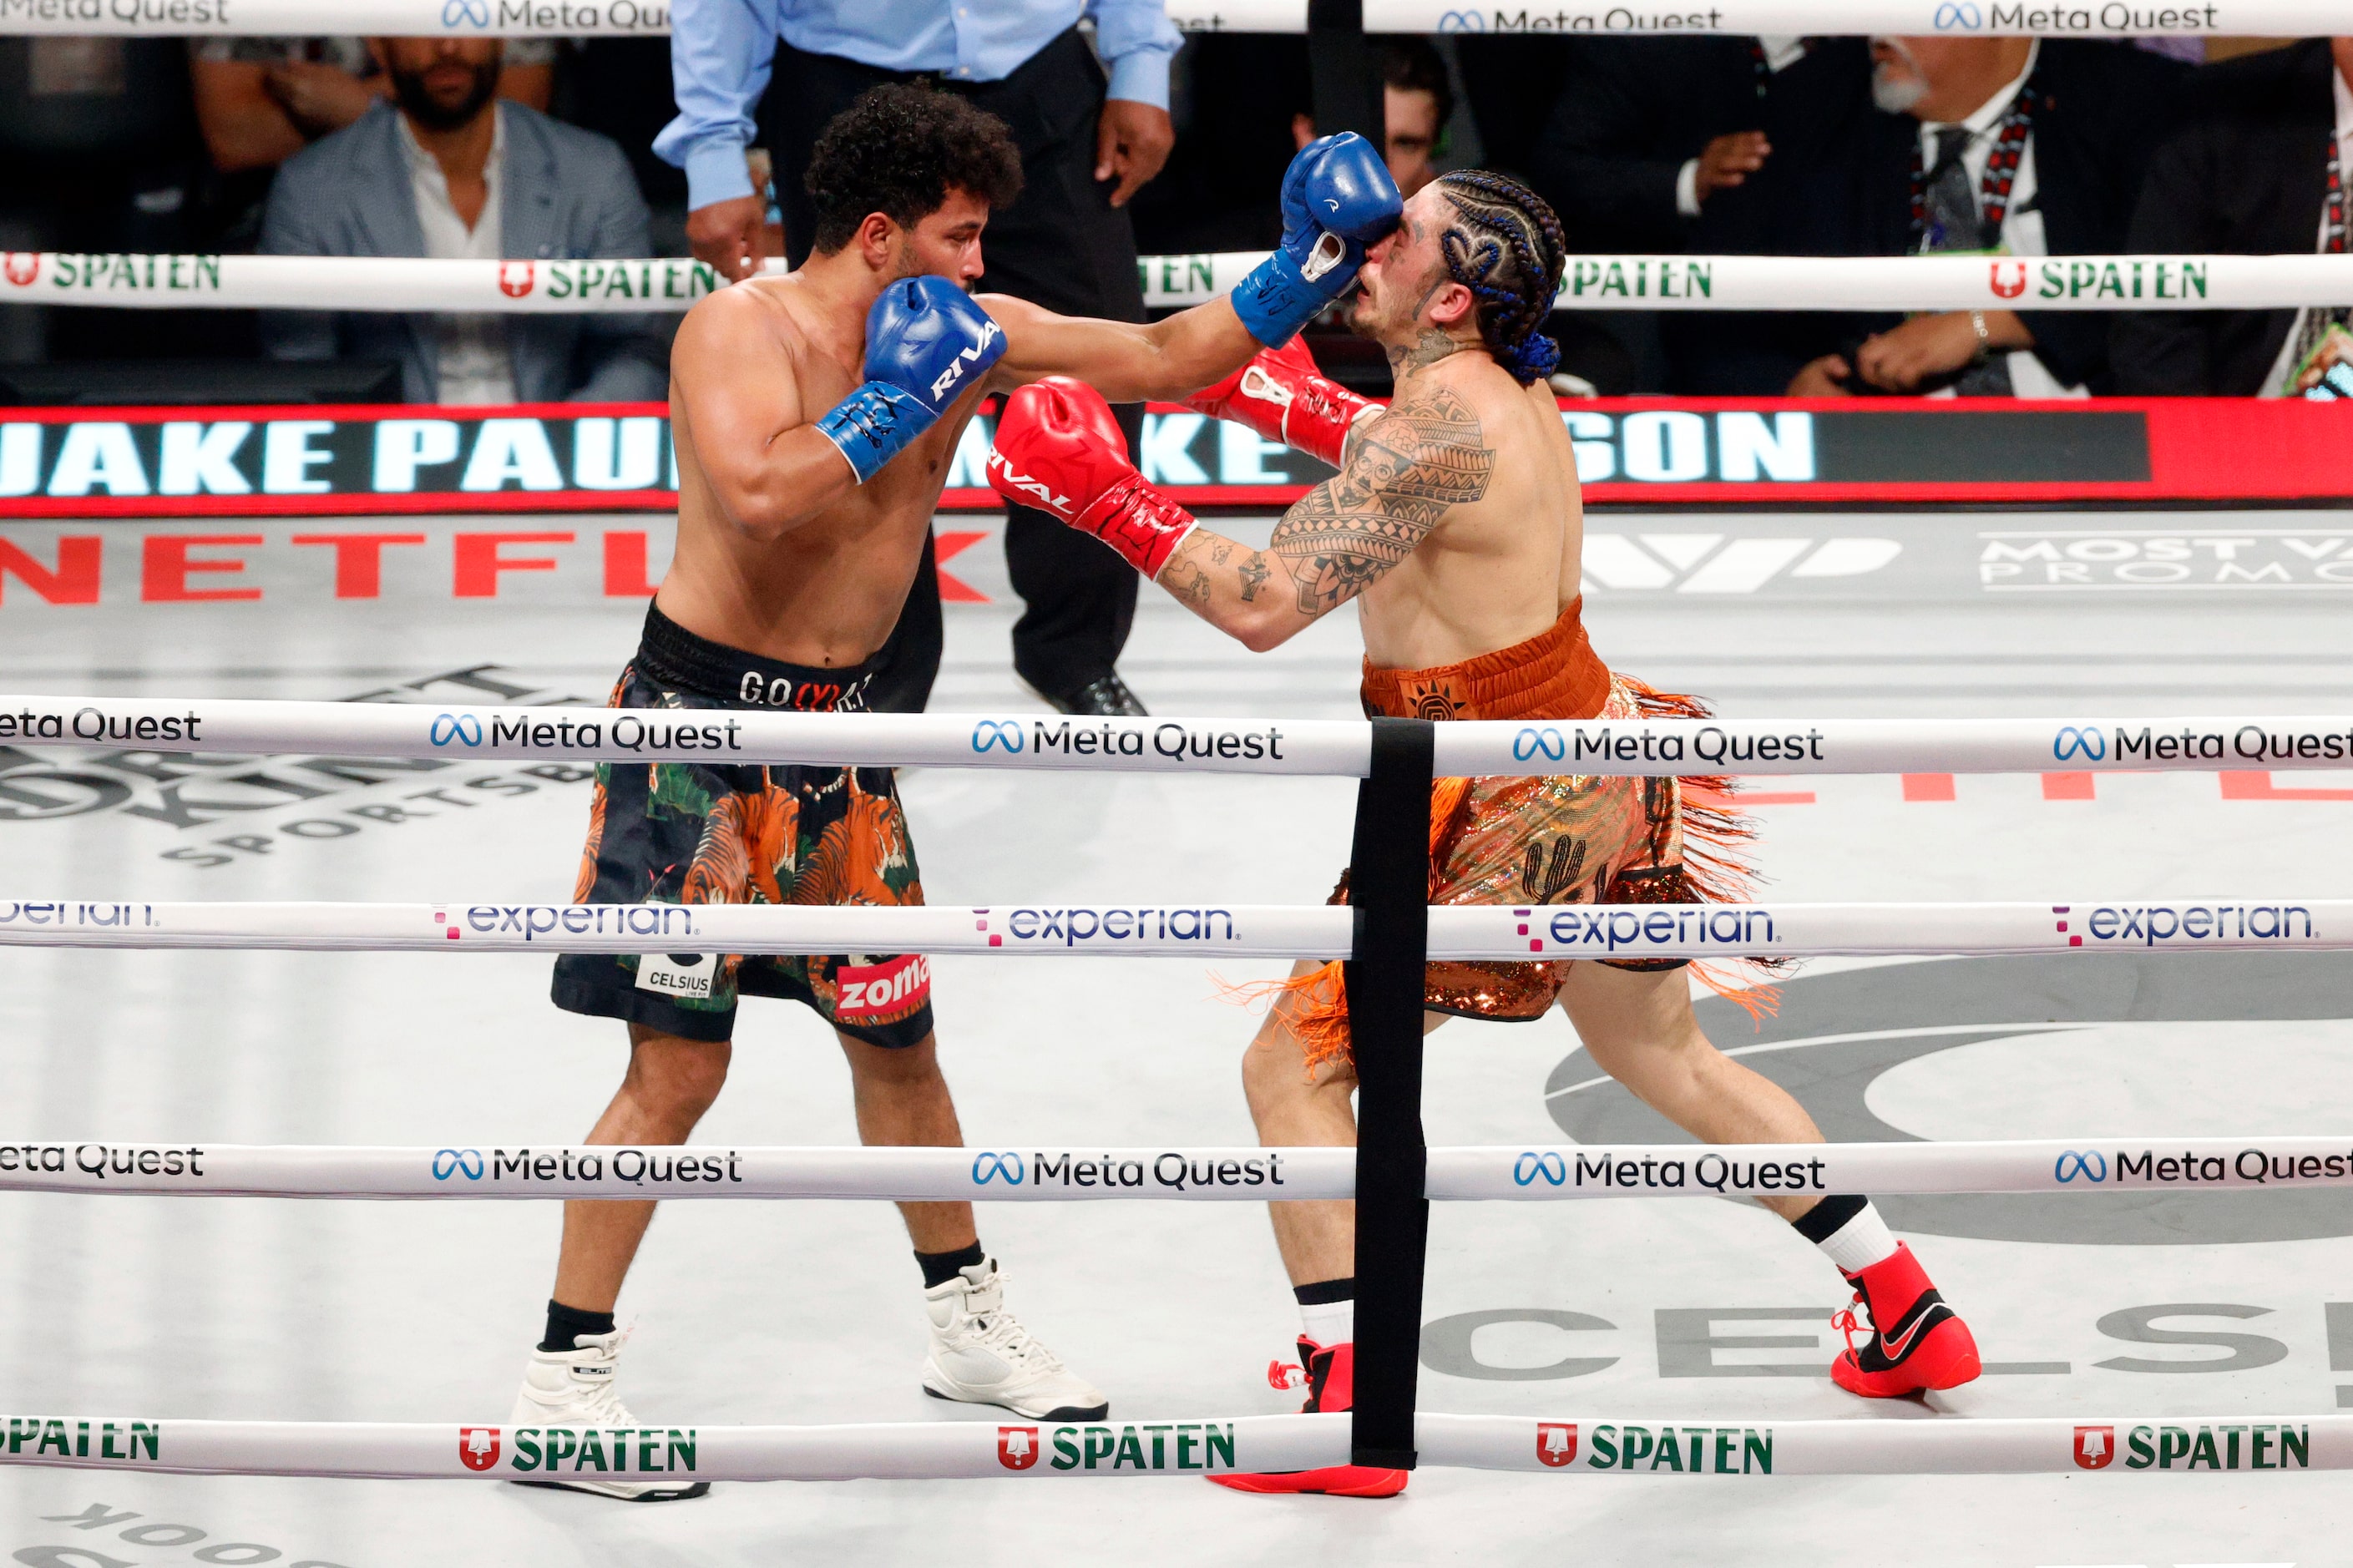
[1406,470]
[1409,468]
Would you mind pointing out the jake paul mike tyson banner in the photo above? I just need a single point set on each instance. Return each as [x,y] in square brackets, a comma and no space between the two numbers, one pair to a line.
[284,460]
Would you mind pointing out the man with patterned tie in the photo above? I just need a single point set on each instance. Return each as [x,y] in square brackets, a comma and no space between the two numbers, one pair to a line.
[1909,146]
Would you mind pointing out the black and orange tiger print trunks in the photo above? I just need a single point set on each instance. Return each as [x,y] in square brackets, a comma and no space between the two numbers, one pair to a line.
[689,833]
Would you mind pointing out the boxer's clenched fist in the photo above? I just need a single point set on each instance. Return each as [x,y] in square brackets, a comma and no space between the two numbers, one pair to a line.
[927,345]
[1337,198]
[1058,449]
[1281,397]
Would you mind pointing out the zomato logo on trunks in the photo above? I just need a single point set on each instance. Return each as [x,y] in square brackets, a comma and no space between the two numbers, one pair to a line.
[890,988]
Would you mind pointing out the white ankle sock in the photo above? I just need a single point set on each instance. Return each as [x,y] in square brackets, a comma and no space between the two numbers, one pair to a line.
[1329,1322]
[1860,1242]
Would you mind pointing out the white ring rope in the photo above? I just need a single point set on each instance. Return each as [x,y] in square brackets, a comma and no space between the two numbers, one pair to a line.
[1591,282]
[1032,1175]
[1196,930]
[580,18]
[1577,1445]
[1632,282]
[1536,932]
[1328,747]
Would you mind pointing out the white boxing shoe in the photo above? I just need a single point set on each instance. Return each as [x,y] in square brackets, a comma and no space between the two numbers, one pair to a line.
[982,1355]
[576,1388]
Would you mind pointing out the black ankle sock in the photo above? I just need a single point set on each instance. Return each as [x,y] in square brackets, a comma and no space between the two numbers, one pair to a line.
[939,1268]
[1822,1221]
[1324,1292]
[564,1324]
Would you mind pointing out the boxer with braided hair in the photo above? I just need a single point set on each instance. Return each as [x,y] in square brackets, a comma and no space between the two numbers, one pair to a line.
[1507,249]
[1455,526]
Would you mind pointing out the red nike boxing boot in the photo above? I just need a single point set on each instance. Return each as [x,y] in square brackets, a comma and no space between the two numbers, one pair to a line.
[1916,1341]
[1331,1373]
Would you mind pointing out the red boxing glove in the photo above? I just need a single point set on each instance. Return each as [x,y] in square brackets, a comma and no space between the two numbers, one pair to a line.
[1057,448]
[1281,395]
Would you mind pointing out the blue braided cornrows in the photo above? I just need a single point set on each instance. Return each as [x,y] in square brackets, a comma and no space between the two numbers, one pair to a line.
[1515,294]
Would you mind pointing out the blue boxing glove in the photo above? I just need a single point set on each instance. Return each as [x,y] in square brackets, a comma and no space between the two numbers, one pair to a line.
[926,345]
[1337,198]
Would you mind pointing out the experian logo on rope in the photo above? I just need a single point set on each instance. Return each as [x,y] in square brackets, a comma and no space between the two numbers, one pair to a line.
[1073,927]
[2150,925]
[1738,930]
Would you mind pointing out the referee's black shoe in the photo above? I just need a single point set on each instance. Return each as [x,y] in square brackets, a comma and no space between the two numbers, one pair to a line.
[1108,697]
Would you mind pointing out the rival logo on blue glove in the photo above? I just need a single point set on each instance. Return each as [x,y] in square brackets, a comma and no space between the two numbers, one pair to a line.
[1338,199]
[927,345]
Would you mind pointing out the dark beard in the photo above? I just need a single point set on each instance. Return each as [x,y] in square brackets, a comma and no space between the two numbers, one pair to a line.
[408,90]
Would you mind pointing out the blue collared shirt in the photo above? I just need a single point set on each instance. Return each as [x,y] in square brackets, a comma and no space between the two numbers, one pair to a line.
[721,52]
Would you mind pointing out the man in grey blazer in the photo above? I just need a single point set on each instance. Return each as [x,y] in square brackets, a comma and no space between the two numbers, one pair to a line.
[447,169]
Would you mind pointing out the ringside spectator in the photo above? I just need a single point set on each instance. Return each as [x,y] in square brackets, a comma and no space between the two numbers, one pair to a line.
[1937,145]
[1417,103]
[455,171]
[1231,98]
[1510,82]
[2263,161]
[1642,134]
[262,100]
[1645,130]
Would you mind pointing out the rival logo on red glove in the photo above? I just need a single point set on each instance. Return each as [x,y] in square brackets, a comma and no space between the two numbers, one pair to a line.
[1057,448]
[1027,490]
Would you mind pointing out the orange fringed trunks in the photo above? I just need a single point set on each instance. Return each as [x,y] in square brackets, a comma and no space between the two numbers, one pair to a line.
[1567,839]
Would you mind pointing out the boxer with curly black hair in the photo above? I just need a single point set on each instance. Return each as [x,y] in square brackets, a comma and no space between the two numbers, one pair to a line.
[816,416]
[899,151]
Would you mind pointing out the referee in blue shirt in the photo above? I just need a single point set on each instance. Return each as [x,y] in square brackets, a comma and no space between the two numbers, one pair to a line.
[773,73]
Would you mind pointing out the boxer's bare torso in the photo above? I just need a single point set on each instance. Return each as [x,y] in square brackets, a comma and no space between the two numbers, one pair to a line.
[1455,517]
[1454,521]
[780,551]
[826,590]
[1484,467]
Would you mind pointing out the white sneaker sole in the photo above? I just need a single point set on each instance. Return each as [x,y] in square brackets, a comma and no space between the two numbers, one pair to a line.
[1058,1413]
